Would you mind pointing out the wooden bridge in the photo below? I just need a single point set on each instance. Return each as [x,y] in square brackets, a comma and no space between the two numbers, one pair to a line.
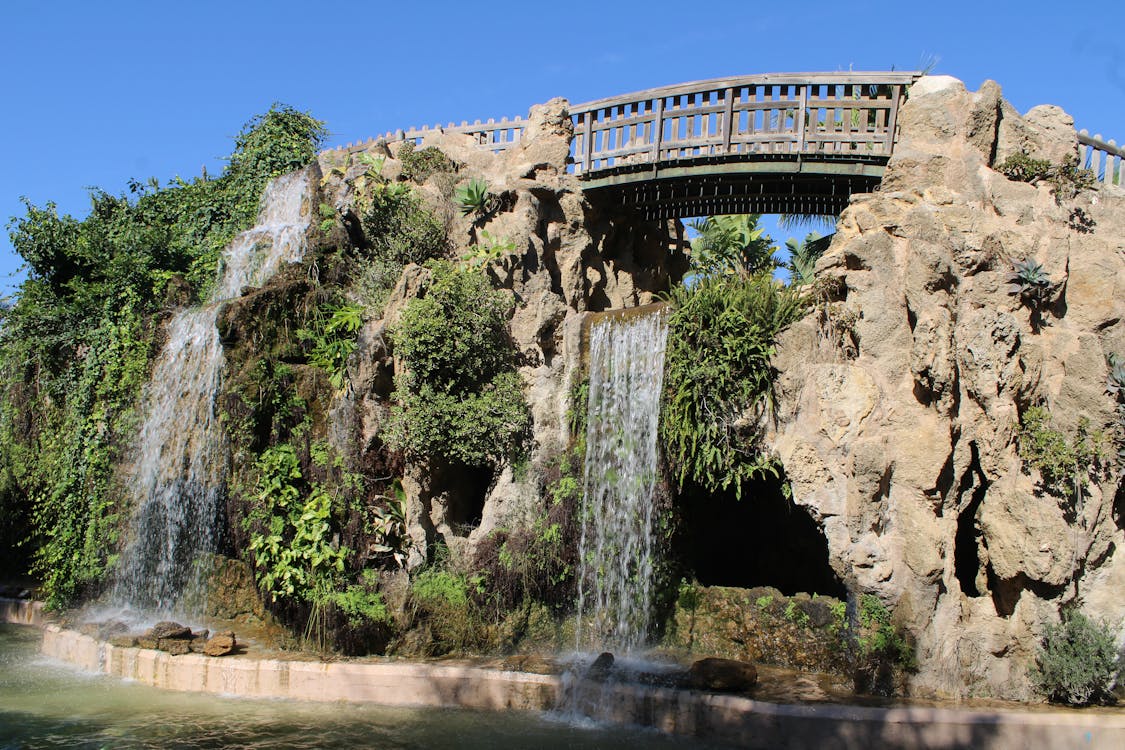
[776,143]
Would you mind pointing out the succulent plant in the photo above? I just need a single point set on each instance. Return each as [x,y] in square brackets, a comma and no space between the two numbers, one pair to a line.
[1115,381]
[474,198]
[1030,282]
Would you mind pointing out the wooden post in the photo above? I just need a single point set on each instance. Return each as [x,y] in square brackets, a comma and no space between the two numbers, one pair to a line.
[728,114]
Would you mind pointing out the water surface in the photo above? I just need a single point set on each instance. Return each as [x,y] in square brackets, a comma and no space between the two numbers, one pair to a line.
[47,704]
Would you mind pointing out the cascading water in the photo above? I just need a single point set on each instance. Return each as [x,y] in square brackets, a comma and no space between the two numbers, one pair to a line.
[615,552]
[177,485]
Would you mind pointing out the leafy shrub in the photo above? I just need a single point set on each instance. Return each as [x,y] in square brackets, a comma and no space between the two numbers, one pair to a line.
[362,604]
[332,336]
[418,165]
[373,282]
[294,556]
[1066,179]
[881,648]
[399,227]
[1023,168]
[1064,463]
[460,397]
[721,337]
[1078,663]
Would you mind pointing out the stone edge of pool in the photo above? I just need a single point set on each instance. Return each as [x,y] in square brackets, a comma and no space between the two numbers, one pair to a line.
[723,718]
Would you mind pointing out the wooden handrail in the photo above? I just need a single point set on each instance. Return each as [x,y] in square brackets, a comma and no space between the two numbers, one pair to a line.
[1104,158]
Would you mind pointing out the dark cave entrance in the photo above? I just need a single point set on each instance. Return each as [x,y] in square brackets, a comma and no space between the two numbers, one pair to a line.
[467,490]
[764,539]
[967,542]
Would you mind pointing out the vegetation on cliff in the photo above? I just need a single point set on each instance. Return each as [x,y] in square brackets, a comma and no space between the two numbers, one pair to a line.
[75,349]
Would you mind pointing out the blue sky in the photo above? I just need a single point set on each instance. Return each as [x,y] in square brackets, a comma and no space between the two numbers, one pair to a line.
[96,93]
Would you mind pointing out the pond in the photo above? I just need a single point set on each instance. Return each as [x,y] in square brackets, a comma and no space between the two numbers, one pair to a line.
[47,704]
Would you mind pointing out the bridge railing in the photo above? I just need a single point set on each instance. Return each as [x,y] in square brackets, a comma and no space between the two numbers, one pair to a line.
[823,114]
[840,114]
[1104,158]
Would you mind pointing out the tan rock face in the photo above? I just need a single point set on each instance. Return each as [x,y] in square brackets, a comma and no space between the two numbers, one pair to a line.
[905,447]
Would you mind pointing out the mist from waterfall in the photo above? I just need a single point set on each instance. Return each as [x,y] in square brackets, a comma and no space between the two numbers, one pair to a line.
[616,544]
[177,485]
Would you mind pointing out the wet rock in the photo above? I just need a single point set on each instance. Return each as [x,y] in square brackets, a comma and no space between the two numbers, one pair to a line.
[199,640]
[173,646]
[169,629]
[601,667]
[123,641]
[723,675]
[146,641]
[220,645]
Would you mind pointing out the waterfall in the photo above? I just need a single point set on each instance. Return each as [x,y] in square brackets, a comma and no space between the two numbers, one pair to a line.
[177,485]
[615,548]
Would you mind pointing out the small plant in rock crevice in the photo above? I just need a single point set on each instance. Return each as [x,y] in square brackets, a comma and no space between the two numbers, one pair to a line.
[1030,283]
[1065,463]
[475,198]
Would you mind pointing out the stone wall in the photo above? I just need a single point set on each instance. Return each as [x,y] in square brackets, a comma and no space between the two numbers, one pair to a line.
[900,397]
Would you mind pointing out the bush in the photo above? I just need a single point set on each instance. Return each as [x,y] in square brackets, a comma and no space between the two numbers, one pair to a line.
[399,227]
[1078,663]
[460,398]
[720,340]
[417,165]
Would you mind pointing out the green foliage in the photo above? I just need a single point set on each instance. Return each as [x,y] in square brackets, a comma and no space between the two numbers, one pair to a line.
[717,371]
[690,596]
[1078,663]
[1066,179]
[1064,463]
[437,586]
[764,602]
[488,250]
[1031,283]
[294,556]
[474,198]
[804,255]
[1023,168]
[362,604]
[878,638]
[796,615]
[460,397]
[373,282]
[332,336]
[387,526]
[731,245]
[420,164]
[398,226]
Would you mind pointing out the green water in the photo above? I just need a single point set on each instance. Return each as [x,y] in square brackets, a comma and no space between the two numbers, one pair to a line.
[45,704]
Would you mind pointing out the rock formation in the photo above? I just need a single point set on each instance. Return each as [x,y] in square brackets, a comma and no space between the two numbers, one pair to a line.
[568,258]
[900,398]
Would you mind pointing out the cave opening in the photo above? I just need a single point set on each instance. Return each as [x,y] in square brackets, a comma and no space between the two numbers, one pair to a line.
[968,540]
[764,539]
[468,489]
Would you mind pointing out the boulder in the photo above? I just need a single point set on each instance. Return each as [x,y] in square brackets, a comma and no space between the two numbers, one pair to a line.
[722,675]
[169,629]
[599,670]
[220,644]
